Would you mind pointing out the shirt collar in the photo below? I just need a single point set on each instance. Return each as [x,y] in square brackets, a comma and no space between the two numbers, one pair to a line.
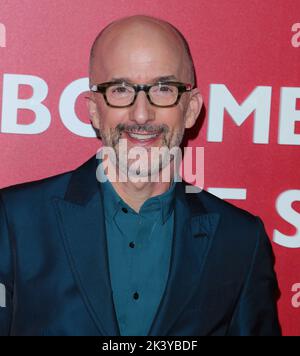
[162,204]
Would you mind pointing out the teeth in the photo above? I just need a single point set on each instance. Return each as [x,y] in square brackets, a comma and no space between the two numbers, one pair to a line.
[141,137]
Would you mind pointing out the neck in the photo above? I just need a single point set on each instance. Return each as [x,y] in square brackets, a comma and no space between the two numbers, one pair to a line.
[136,193]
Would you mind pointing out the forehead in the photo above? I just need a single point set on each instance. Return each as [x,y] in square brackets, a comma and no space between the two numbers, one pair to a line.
[139,51]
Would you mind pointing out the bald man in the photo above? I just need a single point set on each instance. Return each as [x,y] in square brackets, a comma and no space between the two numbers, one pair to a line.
[112,248]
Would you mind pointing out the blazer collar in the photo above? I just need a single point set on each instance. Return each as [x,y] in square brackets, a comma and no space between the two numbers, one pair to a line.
[81,220]
[83,183]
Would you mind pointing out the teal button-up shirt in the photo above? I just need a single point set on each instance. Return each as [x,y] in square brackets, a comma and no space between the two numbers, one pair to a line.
[139,250]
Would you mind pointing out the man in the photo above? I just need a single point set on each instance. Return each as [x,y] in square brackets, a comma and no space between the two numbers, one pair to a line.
[83,257]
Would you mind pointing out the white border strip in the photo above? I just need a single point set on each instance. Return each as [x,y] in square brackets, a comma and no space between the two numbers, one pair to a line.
[2,296]
[229,193]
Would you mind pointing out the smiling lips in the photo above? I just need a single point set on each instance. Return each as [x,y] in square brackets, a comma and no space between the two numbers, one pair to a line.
[140,138]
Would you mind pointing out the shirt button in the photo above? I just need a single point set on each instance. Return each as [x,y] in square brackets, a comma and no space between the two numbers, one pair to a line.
[132,244]
[136,296]
[125,210]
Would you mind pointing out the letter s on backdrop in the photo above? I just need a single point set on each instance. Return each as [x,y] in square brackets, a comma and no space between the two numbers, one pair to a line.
[285,210]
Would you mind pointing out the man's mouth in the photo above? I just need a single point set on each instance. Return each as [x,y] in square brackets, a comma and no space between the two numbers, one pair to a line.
[142,137]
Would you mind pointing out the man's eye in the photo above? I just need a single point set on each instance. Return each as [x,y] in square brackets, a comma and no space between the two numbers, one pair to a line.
[165,89]
[120,90]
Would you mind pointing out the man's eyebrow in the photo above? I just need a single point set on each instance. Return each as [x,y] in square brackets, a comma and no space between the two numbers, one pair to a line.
[165,78]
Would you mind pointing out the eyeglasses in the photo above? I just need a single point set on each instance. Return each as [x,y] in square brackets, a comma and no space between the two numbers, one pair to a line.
[122,94]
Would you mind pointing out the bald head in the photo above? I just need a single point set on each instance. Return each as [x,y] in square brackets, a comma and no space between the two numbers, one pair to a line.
[140,38]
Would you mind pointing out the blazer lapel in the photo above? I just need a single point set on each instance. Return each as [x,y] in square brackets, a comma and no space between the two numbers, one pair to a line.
[194,229]
[82,225]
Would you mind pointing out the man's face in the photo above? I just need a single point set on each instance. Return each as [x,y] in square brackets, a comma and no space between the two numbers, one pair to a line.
[142,55]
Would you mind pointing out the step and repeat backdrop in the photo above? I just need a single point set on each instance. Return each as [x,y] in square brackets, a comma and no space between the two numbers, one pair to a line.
[247,56]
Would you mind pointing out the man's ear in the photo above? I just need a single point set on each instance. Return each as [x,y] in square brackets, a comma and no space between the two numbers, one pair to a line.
[93,111]
[193,109]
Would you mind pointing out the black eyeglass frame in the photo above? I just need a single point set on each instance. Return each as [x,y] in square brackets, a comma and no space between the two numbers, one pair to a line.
[101,88]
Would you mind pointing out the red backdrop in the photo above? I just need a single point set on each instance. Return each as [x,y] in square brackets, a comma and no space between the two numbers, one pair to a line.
[247,59]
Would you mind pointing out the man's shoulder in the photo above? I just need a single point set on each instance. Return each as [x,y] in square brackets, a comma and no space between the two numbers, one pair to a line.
[39,189]
[226,210]
[19,193]
[37,184]
[237,227]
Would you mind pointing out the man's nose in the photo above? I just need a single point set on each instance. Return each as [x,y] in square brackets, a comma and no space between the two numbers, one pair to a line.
[142,111]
